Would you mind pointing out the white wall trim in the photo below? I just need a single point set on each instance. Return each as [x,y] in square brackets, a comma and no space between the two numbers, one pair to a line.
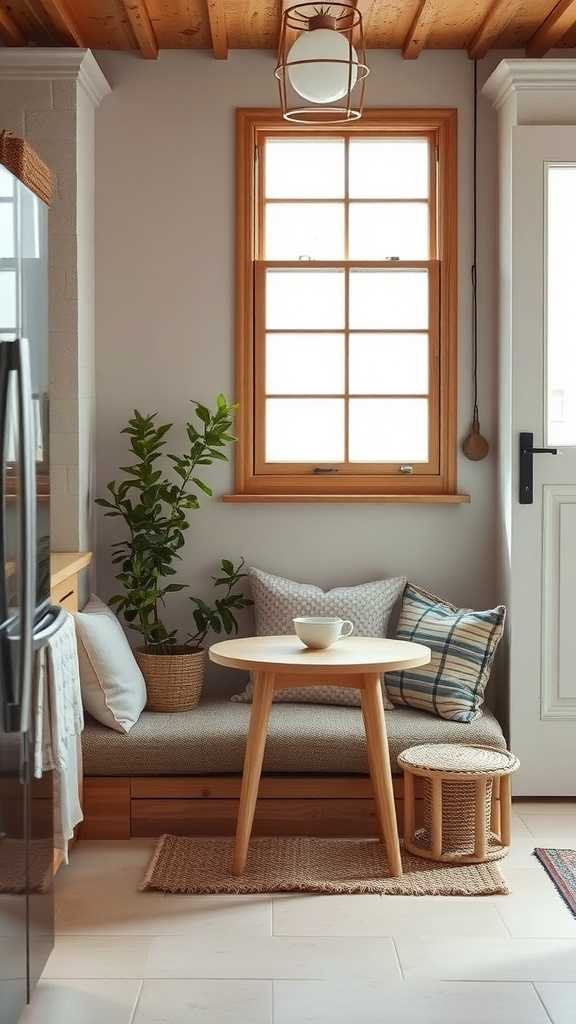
[552,704]
[523,75]
[56,63]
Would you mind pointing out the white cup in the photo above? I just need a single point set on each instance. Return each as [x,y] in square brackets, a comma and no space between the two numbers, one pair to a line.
[320,631]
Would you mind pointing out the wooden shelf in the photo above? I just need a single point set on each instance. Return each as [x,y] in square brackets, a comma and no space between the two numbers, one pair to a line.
[64,564]
[382,499]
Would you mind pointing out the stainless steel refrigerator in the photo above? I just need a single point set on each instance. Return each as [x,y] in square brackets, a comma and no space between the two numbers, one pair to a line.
[27,620]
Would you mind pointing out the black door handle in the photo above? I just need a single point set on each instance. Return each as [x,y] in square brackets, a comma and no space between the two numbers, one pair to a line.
[527,451]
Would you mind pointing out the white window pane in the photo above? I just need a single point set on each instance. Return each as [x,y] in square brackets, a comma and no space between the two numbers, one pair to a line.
[389,169]
[305,300]
[296,230]
[304,168]
[305,364]
[382,230]
[6,231]
[389,364]
[388,430]
[561,324]
[389,300]
[6,182]
[7,299]
[304,430]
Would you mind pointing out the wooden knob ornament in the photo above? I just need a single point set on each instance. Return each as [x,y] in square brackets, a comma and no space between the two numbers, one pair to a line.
[475,445]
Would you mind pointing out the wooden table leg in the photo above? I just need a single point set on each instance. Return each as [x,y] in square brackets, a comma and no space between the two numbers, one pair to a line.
[255,743]
[379,760]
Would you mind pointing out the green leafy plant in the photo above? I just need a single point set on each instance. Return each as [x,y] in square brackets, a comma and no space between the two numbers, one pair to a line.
[155,505]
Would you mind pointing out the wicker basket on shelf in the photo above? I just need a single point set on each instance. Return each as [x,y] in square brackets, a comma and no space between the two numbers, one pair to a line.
[23,161]
[174,680]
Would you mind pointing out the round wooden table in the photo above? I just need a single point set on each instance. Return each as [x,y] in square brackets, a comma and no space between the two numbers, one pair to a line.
[281,661]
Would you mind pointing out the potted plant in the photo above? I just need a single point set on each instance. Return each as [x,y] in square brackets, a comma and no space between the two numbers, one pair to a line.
[155,506]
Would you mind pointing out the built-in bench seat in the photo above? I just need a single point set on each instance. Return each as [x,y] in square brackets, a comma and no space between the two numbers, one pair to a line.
[181,772]
[311,738]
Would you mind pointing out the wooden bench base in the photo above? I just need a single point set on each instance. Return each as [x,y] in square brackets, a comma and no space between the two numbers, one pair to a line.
[120,808]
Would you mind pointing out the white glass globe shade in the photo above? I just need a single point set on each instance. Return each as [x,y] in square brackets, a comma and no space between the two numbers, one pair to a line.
[322,83]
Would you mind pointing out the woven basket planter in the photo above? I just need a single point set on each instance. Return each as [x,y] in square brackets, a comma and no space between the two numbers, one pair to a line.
[173,681]
[18,156]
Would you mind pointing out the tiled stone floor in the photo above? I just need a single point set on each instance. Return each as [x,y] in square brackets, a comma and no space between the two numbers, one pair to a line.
[126,957]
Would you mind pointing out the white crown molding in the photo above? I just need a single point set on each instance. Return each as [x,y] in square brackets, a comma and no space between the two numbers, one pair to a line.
[523,75]
[55,63]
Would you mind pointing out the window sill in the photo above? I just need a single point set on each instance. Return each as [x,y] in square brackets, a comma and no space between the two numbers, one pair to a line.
[383,499]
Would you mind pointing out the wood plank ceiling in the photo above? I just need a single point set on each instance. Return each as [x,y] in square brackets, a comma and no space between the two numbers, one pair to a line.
[533,26]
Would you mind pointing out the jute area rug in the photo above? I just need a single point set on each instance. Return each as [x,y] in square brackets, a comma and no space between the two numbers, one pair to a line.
[561,866]
[182,864]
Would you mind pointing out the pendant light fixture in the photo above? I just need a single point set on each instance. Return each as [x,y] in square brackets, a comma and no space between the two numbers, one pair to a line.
[475,446]
[325,65]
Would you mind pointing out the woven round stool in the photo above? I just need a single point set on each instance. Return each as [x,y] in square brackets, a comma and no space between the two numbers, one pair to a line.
[467,802]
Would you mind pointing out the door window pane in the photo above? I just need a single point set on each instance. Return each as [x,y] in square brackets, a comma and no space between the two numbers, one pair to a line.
[304,230]
[379,231]
[388,299]
[388,364]
[388,169]
[305,299]
[304,168]
[305,364]
[6,183]
[6,231]
[304,430]
[561,323]
[388,430]
[7,299]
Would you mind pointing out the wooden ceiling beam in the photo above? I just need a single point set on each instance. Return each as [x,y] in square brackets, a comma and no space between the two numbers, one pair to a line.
[419,30]
[218,29]
[560,20]
[9,30]
[58,12]
[139,18]
[499,15]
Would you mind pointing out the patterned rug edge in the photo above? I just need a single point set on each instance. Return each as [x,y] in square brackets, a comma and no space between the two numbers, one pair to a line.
[566,891]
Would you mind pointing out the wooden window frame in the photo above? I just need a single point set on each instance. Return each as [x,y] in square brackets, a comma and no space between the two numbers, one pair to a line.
[254,482]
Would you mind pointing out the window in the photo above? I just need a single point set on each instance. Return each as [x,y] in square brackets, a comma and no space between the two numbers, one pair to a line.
[561,361]
[346,308]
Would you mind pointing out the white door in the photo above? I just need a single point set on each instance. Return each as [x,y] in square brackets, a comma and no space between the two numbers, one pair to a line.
[542,535]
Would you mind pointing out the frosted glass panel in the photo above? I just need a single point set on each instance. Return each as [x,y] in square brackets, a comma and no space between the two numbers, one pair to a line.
[382,230]
[389,169]
[6,231]
[304,168]
[389,364]
[561,323]
[7,299]
[388,430]
[297,230]
[304,430]
[305,299]
[305,364]
[389,299]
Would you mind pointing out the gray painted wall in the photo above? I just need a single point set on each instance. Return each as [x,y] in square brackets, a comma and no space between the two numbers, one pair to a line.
[165,307]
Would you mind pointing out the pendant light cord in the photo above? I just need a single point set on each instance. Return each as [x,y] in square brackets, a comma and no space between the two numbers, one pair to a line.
[474,275]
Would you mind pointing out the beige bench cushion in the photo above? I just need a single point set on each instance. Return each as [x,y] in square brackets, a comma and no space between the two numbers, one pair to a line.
[302,738]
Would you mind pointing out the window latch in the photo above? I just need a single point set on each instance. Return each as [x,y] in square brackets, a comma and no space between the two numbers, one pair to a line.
[324,469]
[407,470]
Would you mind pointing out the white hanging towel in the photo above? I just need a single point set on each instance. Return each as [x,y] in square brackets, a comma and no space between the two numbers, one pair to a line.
[58,727]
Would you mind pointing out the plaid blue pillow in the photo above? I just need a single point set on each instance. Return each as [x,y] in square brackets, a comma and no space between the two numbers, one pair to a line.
[463,645]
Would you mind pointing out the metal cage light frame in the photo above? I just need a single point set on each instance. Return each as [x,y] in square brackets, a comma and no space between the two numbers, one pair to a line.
[346,20]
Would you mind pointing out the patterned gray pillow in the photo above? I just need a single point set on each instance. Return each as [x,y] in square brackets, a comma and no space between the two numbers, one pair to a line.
[277,601]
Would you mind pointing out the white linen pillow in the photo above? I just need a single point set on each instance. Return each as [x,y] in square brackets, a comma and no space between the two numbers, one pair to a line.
[277,601]
[113,687]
